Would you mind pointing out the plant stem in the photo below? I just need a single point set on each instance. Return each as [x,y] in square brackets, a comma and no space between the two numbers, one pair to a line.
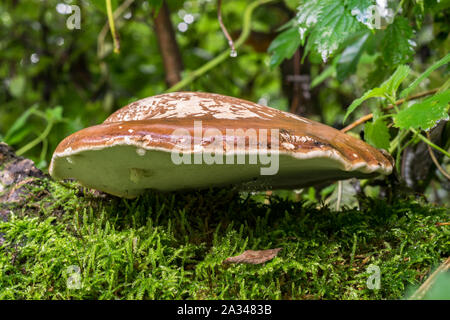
[36,141]
[224,55]
[398,102]
[224,29]
[436,162]
[397,140]
[431,144]
[112,27]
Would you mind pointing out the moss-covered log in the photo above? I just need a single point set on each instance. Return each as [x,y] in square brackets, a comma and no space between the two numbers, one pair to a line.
[62,241]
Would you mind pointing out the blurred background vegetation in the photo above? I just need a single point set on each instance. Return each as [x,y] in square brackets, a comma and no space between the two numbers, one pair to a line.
[55,80]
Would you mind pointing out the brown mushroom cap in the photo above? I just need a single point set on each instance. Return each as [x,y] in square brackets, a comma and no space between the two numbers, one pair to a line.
[132,150]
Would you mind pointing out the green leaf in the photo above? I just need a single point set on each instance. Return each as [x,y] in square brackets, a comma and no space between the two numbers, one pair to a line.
[397,44]
[19,123]
[360,5]
[328,72]
[17,86]
[326,23]
[376,92]
[349,59]
[391,85]
[424,75]
[377,134]
[284,46]
[54,114]
[424,114]
[386,90]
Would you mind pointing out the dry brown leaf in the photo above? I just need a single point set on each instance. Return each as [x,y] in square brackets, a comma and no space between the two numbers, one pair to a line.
[254,256]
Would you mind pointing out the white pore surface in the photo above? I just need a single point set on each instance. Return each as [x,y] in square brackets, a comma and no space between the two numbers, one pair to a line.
[127,171]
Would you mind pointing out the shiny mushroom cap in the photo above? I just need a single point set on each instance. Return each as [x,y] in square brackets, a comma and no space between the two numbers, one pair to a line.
[192,140]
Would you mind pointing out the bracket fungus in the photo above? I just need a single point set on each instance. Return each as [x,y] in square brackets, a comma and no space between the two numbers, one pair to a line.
[193,140]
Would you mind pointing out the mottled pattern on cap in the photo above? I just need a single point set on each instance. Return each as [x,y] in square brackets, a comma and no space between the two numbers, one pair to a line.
[198,105]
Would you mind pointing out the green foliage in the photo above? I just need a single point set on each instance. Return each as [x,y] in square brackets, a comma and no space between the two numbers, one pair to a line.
[387,89]
[171,246]
[332,25]
[77,70]
[425,114]
[425,75]
[355,27]
[422,115]
[377,133]
[284,46]
[349,58]
[54,81]
[397,42]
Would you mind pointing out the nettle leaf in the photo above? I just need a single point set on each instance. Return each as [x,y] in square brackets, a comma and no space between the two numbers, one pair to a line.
[375,92]
[334,26]
[377,134]
[386,90]
[397,43]
[392,84]
[326,23]
[308,14]
[360,5]
[284,46]
[424,114]
[425,75]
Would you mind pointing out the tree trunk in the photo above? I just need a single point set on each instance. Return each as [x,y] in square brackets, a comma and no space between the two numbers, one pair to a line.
[168,46]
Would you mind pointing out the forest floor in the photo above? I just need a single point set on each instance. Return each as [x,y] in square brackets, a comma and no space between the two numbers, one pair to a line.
[61,241]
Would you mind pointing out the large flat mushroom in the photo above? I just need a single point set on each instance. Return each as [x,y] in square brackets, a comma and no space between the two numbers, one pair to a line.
[192,140]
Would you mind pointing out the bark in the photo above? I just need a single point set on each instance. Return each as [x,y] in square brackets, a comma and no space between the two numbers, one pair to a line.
[15,173]
[296,85]
[168,46]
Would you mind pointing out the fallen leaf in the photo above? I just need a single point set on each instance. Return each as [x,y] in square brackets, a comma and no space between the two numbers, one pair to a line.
[254,256]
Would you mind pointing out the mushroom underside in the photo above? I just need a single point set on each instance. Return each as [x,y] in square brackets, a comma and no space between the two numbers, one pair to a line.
[118,171]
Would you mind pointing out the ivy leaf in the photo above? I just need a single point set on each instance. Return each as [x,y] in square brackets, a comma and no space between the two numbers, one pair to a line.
[349,59]
[309,13]
[424,114]
[284,46]
[377,134]
[397,42]
[387,89]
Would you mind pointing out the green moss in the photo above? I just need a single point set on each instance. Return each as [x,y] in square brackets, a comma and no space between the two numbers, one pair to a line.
[171,246]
